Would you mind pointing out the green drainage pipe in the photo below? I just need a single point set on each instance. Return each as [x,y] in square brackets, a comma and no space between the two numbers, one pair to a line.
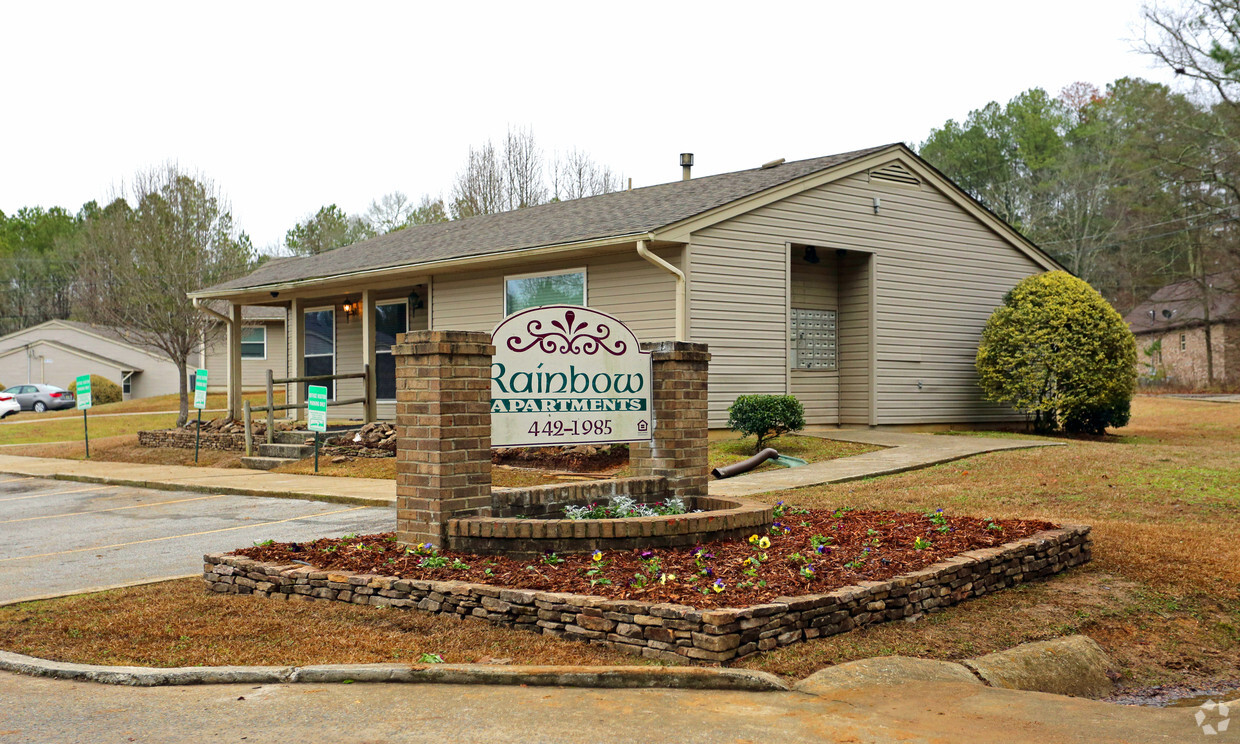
[744,466]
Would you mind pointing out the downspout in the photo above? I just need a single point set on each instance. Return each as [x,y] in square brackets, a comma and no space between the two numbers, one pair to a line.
[681,313]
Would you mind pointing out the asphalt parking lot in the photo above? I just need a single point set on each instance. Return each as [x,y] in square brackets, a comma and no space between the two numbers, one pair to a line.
[60,537]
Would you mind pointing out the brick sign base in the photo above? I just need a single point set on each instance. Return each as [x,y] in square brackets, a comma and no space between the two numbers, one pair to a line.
[667,631]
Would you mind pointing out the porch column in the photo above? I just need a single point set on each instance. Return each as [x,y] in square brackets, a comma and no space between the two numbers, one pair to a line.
[296,329]
[368,353]
[234,361]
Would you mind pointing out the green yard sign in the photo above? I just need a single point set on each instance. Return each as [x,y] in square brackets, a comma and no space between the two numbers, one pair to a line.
[82,392]
[200,389]
[316,416]
[316,401]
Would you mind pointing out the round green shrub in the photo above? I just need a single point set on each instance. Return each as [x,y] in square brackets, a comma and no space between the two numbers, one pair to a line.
[1057,351]
[102,390]
[766,416]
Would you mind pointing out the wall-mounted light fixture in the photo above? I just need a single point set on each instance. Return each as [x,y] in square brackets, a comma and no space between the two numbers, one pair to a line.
[877,203]
[351,308]
[415,302]
[811,255]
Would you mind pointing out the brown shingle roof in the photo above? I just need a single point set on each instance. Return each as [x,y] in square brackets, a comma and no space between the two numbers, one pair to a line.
[608,215]
[1183,301]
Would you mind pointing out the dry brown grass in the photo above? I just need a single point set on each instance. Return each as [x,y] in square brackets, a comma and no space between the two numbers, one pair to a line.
[1162,595]
[179,624]
[124,448]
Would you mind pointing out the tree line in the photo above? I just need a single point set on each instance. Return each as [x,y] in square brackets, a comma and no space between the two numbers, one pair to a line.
[514,174]
[1130,187]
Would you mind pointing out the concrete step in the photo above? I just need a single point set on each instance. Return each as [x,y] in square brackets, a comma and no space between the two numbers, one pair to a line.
[266,463]
[294,451]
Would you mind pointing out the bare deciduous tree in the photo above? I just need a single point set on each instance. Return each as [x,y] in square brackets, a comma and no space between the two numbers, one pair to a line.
[138,263]
[522,166]
[390,212]
[479,189]
[577,175]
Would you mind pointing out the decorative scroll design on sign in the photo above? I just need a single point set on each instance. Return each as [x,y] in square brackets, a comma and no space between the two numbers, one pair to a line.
[569,337]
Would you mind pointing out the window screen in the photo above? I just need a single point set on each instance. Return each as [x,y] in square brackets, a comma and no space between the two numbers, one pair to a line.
[254,343]
[522,293]
[390,319]
[813,339]
[320,356]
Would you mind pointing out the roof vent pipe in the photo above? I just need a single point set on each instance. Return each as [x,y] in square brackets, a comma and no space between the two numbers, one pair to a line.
[686,162]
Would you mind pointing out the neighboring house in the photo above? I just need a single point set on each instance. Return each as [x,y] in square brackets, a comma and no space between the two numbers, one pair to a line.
[1171,332]
[57,351]
[859,282]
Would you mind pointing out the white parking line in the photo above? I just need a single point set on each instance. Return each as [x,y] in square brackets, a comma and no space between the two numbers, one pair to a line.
[115,508]
[177,537]
[58,493]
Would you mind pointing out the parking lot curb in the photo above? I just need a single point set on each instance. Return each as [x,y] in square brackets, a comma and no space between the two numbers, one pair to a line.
[687,678]
[211,489]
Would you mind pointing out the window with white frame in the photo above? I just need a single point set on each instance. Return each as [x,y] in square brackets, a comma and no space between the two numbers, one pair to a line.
[391,318]
[814,339]
[524,291]
[126,382]
[254,342]
[1183,341]
[320,357]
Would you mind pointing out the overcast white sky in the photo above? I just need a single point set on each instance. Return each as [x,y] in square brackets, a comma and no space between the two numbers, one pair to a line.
[289,106]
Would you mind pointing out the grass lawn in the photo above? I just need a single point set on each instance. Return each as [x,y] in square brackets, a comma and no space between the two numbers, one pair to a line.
[60,429]
[1162,595]
[146,405]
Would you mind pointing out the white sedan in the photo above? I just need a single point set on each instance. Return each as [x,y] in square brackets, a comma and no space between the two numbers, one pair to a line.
[8,405]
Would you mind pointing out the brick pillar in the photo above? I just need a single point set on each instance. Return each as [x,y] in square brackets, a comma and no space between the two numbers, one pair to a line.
[443,430]
[679,450]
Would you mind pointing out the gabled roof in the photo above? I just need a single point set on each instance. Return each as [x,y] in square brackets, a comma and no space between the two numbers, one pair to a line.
[1182,301]
[123,366]
[617,216]
[108,333]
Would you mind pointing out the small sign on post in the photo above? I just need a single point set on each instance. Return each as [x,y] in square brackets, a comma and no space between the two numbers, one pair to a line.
[316,416]
[81,391]
[200,402]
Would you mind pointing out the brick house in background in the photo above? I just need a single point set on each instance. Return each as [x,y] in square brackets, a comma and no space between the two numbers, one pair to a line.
[1170,328]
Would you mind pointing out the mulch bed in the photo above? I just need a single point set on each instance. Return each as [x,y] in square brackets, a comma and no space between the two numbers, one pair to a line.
[863,546]
[585,458]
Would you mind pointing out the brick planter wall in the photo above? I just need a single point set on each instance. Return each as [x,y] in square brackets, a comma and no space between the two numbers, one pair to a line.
[668,631]
[182,439]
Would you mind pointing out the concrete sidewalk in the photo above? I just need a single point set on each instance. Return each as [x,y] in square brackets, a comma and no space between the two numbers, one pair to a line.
[910,712]
[903,451]
[233,481]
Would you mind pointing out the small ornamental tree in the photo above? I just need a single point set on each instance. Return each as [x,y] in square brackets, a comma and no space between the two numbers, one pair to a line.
[1060,353]
[766,416]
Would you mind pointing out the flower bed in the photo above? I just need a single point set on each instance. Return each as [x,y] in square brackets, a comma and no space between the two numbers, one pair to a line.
[804,551]
[632,618]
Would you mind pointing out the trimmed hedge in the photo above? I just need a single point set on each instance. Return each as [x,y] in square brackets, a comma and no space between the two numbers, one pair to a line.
[1059,352]
[766,416]
[102,390]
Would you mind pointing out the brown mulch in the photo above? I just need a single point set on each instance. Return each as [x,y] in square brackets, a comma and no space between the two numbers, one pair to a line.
[864,546]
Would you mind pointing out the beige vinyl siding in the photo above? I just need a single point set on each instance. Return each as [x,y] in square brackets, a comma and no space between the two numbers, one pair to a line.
[854,338]
[938,273]
[253,371]
[90,343]
[738,304]
[814,287]
[632,289]
[61,371]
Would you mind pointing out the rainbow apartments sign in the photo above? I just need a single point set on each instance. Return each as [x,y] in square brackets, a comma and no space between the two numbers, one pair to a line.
[568,375]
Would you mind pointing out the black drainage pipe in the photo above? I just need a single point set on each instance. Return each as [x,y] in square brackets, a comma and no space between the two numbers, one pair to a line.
[744,466]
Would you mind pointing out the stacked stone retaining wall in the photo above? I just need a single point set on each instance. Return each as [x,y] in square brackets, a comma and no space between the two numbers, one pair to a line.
[182,439]
[669,631]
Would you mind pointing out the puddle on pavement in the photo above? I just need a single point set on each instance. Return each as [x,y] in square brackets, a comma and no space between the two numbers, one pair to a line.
[1172,696]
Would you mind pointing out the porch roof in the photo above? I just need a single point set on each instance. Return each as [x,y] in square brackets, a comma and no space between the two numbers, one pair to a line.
[620,214]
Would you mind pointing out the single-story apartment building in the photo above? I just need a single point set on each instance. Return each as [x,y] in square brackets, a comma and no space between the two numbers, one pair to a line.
[1171,326]
[859,282]
[57,351]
